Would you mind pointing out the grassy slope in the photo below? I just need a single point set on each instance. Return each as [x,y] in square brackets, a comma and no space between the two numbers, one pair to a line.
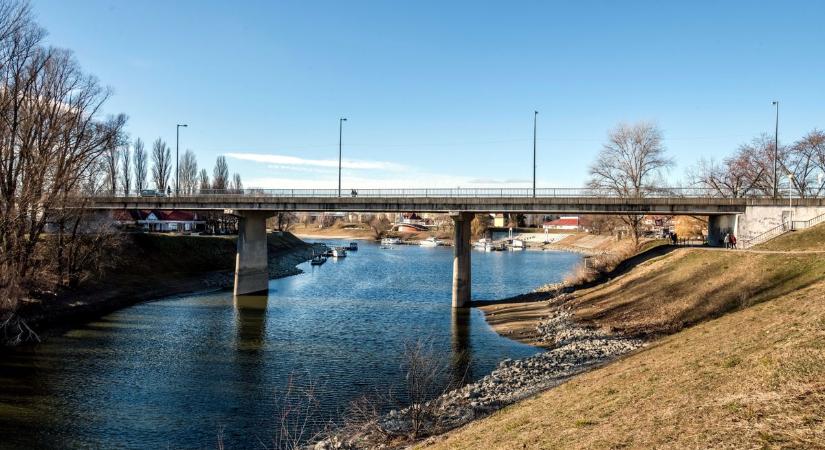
[754,378]
[159,253]
[689,286]
[810,239]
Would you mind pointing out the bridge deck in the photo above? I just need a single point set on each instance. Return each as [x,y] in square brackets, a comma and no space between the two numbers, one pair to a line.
[487,204]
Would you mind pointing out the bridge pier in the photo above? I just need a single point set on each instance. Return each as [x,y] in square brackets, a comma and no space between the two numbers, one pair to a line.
[251,262]
[718,225]
[461,259]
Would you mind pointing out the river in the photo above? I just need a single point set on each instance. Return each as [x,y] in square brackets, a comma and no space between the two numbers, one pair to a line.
[181,371]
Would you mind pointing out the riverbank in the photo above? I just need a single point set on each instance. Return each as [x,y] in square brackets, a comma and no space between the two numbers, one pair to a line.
[735,356]
[152,266]
[662,293]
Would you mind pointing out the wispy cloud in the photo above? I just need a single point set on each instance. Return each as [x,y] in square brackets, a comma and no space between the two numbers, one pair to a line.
[509,181]
[285,160]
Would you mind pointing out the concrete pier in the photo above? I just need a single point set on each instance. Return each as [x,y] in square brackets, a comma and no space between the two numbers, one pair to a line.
[251,263]
[461,259]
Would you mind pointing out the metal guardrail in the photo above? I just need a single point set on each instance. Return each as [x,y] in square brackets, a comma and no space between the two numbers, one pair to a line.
[674,192]
[767,235]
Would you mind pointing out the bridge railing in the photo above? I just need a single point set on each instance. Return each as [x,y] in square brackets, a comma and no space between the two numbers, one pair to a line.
[670,192]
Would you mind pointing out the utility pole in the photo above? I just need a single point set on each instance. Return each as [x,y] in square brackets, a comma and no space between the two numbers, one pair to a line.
[177,159]
[776,153]
[340,133]
[535,116]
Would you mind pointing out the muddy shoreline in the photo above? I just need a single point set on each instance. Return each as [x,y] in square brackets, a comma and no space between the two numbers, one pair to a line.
[122,290]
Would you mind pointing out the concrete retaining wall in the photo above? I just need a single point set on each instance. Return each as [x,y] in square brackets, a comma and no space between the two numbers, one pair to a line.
[759,219]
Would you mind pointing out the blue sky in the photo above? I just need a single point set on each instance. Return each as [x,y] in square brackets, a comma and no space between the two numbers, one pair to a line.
[442,93]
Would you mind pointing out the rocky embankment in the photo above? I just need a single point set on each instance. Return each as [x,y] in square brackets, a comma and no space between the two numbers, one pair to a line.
[573,349]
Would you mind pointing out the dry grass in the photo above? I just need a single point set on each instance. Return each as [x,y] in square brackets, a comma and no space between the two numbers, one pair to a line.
[751,379]
[689,286]
[810,239]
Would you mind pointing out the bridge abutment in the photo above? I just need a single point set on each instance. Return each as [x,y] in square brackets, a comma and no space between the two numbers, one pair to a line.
[461,259]
[719,225]
[251,262]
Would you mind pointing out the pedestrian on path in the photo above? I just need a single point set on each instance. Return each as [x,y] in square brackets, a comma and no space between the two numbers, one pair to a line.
[732,241]
[726,240]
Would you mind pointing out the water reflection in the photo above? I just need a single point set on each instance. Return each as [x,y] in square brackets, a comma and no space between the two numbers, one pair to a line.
[171,374]
[460,369]
[250,321]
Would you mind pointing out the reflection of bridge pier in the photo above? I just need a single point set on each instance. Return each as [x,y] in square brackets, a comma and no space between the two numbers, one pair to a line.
[461,352]
[250,314]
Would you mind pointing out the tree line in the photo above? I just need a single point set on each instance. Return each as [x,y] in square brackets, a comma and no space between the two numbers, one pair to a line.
[57,147]
[128,172]
[634,160]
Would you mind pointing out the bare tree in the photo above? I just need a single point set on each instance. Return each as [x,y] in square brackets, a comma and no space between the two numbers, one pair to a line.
[203,181]
[236,184]
[188,173]
[112,158]
[283,220]
[806,163]
[141,165]
[162,164]
[379,226]
[629,165]
[126,170]
[51,142]
[220,175]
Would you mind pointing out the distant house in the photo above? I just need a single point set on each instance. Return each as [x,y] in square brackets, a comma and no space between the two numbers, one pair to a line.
[160,220]
[564,223]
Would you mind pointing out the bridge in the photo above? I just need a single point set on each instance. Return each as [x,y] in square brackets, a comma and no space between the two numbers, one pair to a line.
[254,206]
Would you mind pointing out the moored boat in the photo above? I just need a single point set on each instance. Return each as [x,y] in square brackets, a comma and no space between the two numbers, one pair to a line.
[430,242]
[339,252]
[317,260]
[390,241]
[353,246]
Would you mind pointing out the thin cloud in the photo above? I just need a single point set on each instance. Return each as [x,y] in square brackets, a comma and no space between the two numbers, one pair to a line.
[285,160]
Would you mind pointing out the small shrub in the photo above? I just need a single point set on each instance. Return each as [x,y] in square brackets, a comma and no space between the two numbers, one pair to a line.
[581,423]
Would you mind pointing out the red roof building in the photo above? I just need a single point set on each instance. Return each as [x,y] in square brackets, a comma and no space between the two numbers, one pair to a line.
[563,223]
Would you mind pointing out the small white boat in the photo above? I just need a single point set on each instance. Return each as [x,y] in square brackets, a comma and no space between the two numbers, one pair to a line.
[430,242]
[517,243]
[339,252]
[390,241]
[482,243]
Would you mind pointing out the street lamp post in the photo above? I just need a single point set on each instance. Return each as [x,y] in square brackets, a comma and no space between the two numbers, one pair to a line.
[340,133]
[535,116]
[177,158]
[776,152]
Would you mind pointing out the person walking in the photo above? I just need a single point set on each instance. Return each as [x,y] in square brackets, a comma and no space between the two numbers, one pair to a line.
[726,240]
[732,241]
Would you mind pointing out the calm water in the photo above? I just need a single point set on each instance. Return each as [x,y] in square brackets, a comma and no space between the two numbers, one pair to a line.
[173,373]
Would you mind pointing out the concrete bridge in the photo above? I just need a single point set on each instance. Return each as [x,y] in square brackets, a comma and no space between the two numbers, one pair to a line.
[253,206]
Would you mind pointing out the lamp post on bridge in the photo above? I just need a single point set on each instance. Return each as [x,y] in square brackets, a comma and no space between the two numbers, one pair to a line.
[776,152]
[535,117]
[340,134]
[177,158]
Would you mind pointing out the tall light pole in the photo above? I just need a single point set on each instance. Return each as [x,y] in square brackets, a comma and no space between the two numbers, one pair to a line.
[535,117]
[177,159]
[776,152]
[340,133]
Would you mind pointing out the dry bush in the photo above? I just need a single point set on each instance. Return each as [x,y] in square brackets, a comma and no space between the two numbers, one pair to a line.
[298,412]
[417,413]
